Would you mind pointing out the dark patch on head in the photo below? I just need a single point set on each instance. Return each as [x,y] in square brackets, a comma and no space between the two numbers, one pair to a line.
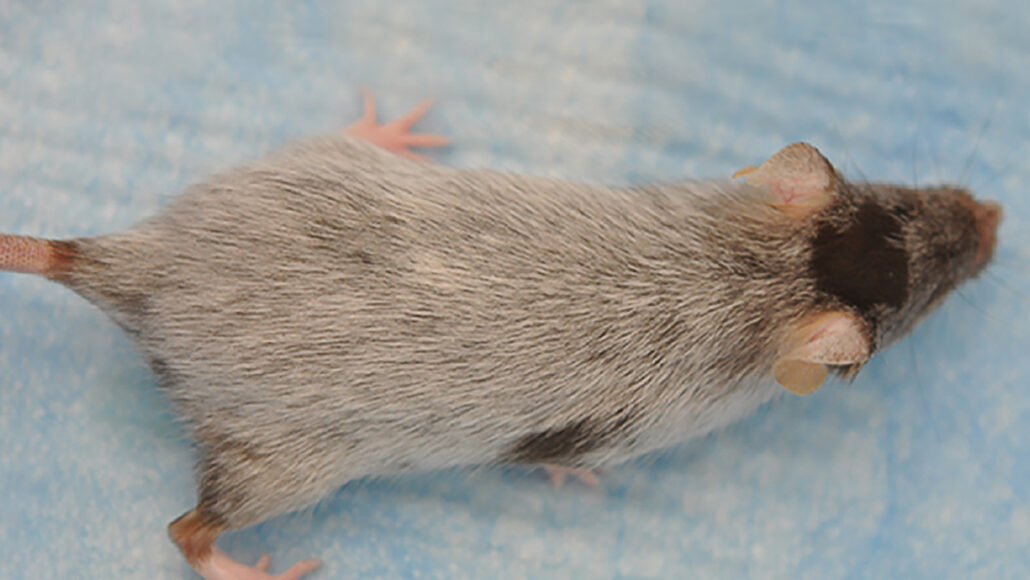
[862,264]
[565,444]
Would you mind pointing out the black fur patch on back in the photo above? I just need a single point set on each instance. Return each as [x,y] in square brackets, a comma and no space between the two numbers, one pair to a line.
[555,445]
[864,264]
[565,444]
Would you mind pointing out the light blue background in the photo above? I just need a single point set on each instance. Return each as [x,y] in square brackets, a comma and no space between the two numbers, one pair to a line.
[918,469]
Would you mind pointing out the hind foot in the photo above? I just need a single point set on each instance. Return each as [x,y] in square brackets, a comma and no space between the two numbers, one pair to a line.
[558,473]
[395,136]
[219,566]
[196,533]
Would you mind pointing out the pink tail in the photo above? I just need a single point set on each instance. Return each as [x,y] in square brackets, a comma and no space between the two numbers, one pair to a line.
[34,255]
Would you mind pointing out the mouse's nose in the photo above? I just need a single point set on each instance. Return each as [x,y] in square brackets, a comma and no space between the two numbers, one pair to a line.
[987,215]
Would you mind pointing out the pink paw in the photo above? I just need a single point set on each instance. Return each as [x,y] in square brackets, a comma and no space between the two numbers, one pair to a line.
[395,136]
[219,566]
[558,473]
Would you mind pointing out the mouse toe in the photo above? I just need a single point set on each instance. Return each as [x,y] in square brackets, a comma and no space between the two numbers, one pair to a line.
[394,136]
[219,566]
[558,473]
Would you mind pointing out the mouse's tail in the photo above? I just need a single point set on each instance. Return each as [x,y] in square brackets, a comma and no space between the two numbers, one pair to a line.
[50,258]
[97,268]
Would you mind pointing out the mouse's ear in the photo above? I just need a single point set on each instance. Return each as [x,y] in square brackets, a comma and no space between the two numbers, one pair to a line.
[832,339]
[800,179]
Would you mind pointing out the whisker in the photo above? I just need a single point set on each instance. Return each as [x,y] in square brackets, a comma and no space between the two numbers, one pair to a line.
[861,174]
[846,156]
[921,386]
[915,159]
[995,175]
[934,162]
[976,144]
[964,298]
[1003,263]
[1012,251]
[1019,292]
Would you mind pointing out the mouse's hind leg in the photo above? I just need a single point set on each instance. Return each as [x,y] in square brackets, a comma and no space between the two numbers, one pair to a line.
[242,485]
[396,135]
[196,533]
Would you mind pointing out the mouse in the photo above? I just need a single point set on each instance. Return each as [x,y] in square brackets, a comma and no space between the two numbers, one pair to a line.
[342,309]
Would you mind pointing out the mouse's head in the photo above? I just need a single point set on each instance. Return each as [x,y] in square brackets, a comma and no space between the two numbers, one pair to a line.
[881,258]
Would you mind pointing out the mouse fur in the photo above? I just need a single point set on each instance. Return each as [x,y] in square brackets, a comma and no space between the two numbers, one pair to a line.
[335,311]
[354,313]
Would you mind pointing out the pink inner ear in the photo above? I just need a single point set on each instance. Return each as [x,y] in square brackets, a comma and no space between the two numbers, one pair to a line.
[798,176]
[799,189]
[834,338]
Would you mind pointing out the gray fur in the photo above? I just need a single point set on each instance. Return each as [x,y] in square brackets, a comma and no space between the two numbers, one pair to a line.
[335,311]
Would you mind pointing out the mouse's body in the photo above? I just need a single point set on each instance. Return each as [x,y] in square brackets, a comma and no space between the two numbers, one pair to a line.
[372,315]
[336,311]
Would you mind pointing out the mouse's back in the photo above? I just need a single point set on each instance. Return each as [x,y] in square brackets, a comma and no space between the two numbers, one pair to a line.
[441,316]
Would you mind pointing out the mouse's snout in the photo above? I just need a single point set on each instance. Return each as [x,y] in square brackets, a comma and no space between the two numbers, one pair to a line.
[987,216]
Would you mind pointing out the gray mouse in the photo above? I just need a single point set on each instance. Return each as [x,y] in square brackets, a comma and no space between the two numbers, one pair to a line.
[336,311]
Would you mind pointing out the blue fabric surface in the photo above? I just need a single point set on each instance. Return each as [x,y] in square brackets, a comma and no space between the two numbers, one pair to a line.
[916,470]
